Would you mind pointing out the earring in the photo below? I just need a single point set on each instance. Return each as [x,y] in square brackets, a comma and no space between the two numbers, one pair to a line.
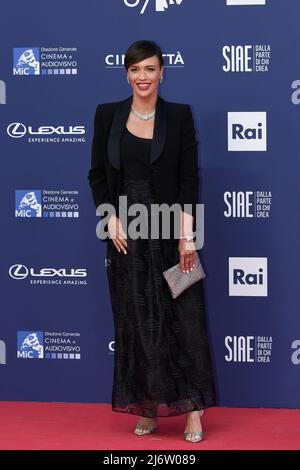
[161,80]
[127,79]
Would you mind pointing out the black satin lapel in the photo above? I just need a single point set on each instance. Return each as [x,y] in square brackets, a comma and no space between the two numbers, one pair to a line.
[116,130]
[160,130]
[119,122]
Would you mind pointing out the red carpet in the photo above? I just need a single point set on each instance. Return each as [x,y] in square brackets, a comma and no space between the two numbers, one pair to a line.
[94,426]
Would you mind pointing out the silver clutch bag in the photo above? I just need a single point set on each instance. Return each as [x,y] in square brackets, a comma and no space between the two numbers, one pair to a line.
[179,281]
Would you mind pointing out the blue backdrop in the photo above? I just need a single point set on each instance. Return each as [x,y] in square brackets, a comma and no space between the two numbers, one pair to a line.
[236,63]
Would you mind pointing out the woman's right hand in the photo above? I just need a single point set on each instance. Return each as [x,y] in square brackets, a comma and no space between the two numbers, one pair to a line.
[117,233]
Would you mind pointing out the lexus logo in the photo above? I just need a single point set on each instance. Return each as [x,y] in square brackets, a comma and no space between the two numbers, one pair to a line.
[16,130]
[18,271]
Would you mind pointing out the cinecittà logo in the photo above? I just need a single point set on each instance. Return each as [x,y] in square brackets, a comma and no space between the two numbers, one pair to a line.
[157,5]
[171,59]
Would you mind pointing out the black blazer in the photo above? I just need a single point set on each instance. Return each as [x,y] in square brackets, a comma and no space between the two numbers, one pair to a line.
[174,158]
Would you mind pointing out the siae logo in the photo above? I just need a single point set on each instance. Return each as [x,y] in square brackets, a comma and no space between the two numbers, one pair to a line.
[248,277]
[246,58]
[238,203]
[249,349]
[248,204]
[159,5]
[247,131]
[240,349]
[237,58]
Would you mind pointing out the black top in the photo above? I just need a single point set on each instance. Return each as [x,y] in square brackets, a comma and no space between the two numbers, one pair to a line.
[135,156]
[174,146]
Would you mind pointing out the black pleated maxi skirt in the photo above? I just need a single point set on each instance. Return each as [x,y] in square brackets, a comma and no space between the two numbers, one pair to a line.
[162,362]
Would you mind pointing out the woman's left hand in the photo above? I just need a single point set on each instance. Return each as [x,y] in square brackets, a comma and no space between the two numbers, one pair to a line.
[187,253]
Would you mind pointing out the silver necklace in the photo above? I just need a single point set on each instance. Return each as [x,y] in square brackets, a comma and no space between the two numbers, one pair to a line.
[143,117]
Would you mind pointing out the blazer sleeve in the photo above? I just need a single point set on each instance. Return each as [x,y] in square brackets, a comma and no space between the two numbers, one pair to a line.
[97,174]
[188,178]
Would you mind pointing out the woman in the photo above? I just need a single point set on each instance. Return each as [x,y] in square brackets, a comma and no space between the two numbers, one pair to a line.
[144,148]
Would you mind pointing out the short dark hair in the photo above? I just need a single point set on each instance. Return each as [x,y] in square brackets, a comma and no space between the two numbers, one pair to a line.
[141,50]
